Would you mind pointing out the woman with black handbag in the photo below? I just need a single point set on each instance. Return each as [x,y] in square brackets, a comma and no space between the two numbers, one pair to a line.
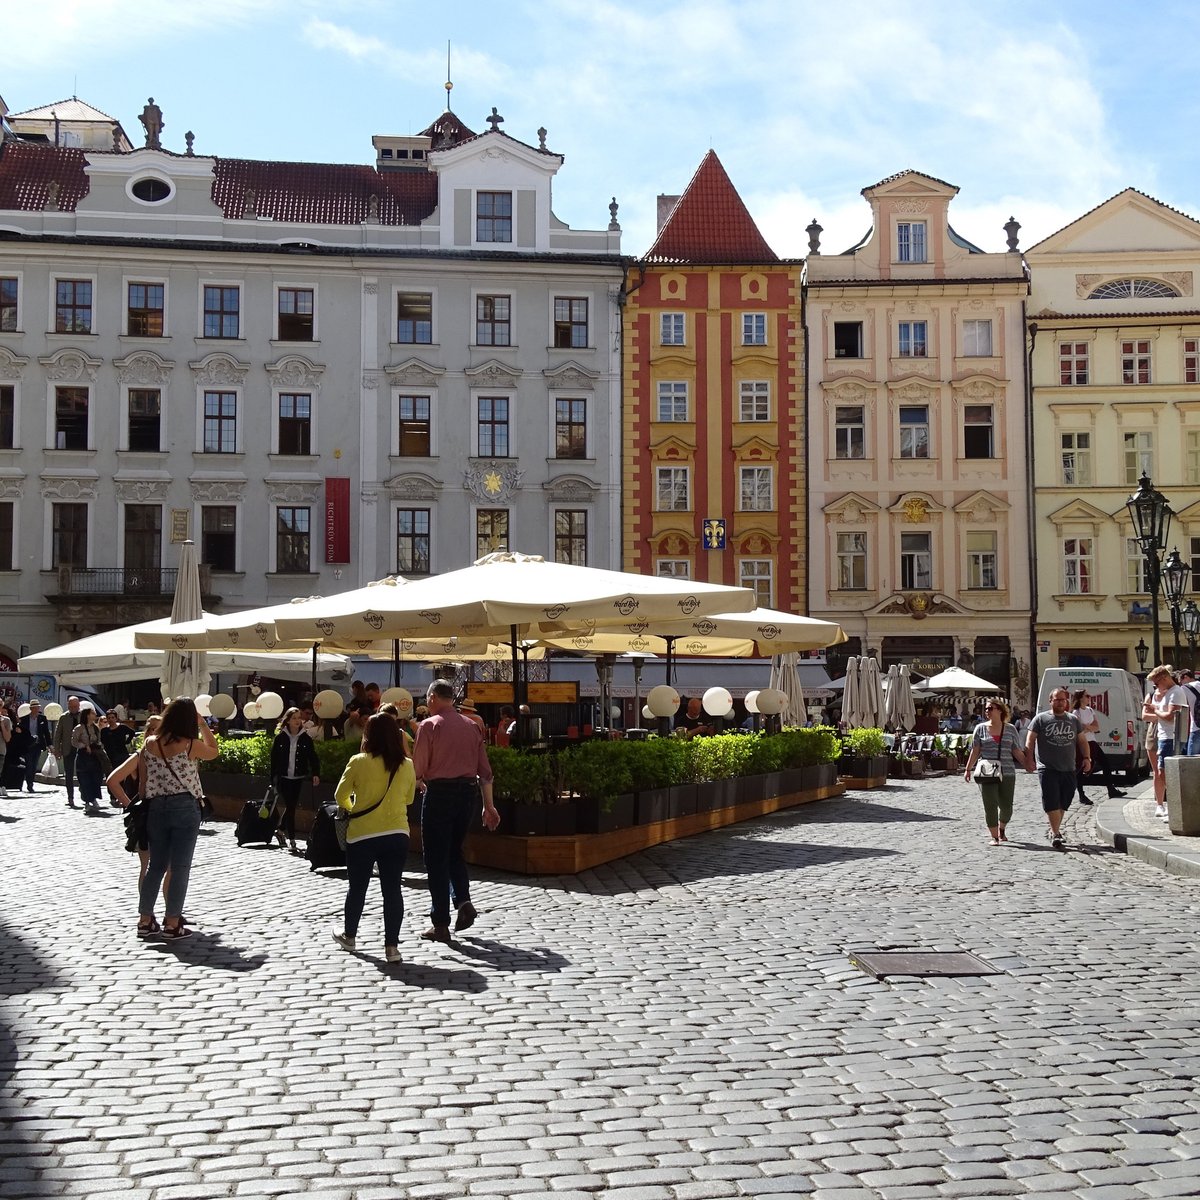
[91,759]
[995,751]
[293,759]
[374,794]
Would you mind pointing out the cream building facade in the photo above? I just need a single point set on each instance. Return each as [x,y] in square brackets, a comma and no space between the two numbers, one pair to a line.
[918,455]
[1115,324]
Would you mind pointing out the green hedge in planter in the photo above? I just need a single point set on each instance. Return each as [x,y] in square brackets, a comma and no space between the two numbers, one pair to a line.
[597,770]
[517,775]
[865,743]
[242,756]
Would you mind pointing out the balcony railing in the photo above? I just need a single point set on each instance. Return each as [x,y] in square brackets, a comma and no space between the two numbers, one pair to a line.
[123,581]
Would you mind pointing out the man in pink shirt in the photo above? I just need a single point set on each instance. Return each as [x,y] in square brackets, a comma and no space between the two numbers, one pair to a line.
[450,759]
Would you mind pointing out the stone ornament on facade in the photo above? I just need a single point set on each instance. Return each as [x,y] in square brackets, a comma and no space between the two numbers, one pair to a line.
[69,488]
[414,373]
[915,510]
[571,488]
[494,374]
[293,492]
[143,369]
[370,380]
[370,289]
[918,605]
[295,371]
[138,491]
[71,366]
[12,487]
[914,393]
[1085,283]
[492,481]
[218,489]
[413,487]
[977,390]
[1179,279]
[910,206]
[571,375]
[219,369]
[847,393]
[11,365]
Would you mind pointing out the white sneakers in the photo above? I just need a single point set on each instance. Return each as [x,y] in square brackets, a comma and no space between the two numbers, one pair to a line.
[1160,811]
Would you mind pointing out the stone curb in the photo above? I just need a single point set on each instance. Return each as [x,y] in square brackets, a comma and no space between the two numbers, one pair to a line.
[1165,853]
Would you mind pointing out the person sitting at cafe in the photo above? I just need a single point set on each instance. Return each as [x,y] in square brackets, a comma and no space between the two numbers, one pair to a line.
[693,720]
[500,735]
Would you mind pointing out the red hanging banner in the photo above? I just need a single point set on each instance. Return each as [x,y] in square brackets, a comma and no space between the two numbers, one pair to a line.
[337,520]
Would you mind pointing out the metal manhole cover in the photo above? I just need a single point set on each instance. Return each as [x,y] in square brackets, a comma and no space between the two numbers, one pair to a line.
[922,963]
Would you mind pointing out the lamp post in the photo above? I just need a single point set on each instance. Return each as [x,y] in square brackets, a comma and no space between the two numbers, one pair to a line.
[1140,651]
[1190,620]
[1175,574]
[1150,512]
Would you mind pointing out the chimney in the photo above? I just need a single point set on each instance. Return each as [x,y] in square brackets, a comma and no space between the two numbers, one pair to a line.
[666,206]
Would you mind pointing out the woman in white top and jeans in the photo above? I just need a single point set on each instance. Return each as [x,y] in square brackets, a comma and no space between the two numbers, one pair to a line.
[1089,722]
[172,786]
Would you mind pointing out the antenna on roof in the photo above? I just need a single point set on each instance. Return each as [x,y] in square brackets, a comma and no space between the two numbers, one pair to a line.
[449,85]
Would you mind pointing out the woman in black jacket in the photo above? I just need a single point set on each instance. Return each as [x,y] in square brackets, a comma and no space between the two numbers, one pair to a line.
[293,759]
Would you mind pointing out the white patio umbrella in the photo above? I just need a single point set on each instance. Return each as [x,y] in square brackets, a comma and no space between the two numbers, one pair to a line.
[775,632]
[785,675]
[955,679]
[891,689]
[871,691]
[851,699]
[185,672]
[906,710]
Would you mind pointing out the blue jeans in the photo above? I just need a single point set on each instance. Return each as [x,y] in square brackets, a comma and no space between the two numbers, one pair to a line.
[1193,746]
[445,818]
[390,853]
[172,826]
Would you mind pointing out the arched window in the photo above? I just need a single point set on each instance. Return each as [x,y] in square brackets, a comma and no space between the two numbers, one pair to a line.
[1134,289]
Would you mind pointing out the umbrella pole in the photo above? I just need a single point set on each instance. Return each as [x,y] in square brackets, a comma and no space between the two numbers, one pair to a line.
[664,723]
[522,725]
[395,662]
[314,668]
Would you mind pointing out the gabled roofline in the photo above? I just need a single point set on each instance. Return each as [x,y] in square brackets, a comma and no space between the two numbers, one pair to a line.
[910,171]
[1116,196]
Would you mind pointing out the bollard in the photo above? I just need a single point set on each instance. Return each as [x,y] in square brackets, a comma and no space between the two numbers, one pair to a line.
[1183,795]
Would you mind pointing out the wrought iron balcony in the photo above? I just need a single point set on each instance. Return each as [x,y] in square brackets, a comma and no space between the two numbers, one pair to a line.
[124,581]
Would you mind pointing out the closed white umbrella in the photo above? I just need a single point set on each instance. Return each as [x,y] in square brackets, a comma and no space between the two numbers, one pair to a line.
[851,699]
[891,687]
[906,710]
[785,675]
[185,672]
[871,690]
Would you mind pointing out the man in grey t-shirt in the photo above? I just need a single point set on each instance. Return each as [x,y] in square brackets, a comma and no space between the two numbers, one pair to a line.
[1056,736]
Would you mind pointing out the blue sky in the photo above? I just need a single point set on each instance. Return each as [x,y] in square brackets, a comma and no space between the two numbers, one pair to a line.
[1037,110]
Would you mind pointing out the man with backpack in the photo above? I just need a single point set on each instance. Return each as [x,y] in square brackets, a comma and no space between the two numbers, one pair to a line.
[1191,693]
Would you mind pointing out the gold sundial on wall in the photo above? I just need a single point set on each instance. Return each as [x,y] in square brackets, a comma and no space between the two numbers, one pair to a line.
[492,480]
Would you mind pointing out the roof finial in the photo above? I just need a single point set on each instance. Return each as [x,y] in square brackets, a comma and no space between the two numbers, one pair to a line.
[449,84]
[495,120]
[1011,228]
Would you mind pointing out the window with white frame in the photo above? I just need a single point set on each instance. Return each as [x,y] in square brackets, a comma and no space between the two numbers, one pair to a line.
[754,396]
[493,320]
[493,216]
[69,535]
[1191,360]
[296,314]
[755,489]
[571,536]
[570,427]
[295,423]
[413,548]
[916,561]
[293,540]
[218,536]
[9,312]
[414,318]
[1138,449]
[8,416]
[220,423]
[1191,455]
[491,531]
[570,322]
[851,562]
[672,400]
[1135,361]
[912,340]
[222,311]
[758,574]
[145,420]
[754,329]
[1073,364]
[1076,459]
[981,560]
[1137,570]
[145,310]
[7,535]
[672,489]
[673,568]
[914,431]
[978,433]
[671,329]
[72,306]
[977,339]
[849,431]
[1078,571]
[910,241]
[71,418]
[492,429]
[416,426]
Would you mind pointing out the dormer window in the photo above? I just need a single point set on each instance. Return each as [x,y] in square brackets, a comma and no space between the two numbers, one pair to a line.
[151,190]
[910,241]
[493,217]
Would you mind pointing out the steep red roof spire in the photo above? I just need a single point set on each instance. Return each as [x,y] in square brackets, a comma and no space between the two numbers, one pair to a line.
[710,224]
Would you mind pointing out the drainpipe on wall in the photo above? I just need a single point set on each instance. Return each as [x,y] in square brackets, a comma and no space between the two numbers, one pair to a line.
[618,450]
[806,507]
[1031,520]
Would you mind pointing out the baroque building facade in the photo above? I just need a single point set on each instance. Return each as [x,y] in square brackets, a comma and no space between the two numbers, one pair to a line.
[320,373]
[714,460]
[918,453]
[1115,326]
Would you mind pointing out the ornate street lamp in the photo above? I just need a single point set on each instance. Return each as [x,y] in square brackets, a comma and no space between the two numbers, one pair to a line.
[1175,574]
[1140,651]
[1150,512]
[1190,621]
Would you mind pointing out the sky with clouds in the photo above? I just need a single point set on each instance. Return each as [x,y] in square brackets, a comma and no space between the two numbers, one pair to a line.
[1035,110]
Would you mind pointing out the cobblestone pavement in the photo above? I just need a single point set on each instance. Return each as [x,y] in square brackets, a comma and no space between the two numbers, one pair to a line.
[682,1024]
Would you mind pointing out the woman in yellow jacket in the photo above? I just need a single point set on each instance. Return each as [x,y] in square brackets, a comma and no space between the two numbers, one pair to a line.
[375,790]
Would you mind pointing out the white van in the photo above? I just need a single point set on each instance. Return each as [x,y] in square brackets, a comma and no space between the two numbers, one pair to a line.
[1116,696]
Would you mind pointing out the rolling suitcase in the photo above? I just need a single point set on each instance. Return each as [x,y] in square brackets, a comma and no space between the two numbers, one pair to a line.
[253,826]
[324,850]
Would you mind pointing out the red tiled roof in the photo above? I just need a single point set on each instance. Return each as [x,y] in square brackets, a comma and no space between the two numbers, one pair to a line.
[323,193]
[908,171]
[447,124]
[28,168]
[710,224]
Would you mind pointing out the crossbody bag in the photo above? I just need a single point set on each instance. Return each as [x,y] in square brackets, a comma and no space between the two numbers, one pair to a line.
[341,822]
[988,770]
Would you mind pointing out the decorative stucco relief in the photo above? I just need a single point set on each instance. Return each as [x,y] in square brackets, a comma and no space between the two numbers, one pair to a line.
[71,366]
